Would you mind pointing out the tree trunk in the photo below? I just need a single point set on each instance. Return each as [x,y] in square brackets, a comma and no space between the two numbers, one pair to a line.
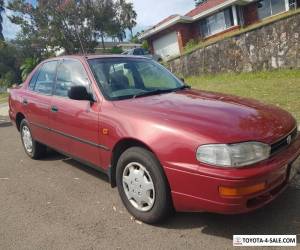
[102,40]
[131,33]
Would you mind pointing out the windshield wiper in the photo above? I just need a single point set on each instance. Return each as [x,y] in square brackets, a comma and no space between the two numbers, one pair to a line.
[153,92]
[160,91]
[184,87]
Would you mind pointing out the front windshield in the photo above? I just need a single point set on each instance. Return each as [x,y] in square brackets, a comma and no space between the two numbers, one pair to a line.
[122,78]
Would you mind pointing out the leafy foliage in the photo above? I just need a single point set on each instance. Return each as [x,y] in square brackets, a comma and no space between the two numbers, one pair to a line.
[135,38]
[116,50]
[127,16]
[13,55]
[27,66]
[9,65]
[75,25]
[145,45]
[1,19]
[198,2]
[50,25]
[190,44]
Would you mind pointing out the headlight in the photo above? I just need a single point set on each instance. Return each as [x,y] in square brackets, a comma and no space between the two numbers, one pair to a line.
[233,155]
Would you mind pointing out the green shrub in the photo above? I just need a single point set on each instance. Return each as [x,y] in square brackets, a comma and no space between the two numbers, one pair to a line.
[190,44]
[116,50]
[145,45]
[28,65]
[7,80]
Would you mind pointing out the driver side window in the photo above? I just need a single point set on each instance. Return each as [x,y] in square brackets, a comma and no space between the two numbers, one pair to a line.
[70,73]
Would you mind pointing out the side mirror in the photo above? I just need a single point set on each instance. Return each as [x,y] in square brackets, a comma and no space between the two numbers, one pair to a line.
[80,93]
[181,79]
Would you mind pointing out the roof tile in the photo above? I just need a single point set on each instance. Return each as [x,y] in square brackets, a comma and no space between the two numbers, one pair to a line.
[204,6]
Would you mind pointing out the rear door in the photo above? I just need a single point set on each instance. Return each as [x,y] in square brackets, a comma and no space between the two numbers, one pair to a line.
[74,123]
[38,99]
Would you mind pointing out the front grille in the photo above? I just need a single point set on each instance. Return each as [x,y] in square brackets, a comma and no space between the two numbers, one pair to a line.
[283,143]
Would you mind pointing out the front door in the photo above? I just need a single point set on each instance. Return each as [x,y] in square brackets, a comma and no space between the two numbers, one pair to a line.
[74,124]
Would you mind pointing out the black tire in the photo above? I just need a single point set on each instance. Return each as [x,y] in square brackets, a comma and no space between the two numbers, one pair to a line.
[38,150]
[162,206]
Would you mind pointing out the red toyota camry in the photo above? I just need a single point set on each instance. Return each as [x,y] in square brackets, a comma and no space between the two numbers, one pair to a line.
[164,145]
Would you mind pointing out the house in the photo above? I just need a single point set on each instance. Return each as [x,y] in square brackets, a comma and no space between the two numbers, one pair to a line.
[122,45]
[127,45]
[209,19]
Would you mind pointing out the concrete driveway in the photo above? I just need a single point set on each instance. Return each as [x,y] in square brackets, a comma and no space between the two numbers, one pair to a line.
[57,203]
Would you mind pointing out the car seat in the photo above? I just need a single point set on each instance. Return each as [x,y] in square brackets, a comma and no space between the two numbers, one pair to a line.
[119,81]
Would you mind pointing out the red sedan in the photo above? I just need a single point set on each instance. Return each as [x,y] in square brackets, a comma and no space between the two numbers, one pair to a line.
[164,145]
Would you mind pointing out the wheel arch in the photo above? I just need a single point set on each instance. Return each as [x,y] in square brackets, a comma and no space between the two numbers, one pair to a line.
[120,147]
[19,117]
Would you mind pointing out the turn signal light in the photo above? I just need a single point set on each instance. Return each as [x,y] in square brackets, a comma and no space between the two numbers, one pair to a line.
[239,191]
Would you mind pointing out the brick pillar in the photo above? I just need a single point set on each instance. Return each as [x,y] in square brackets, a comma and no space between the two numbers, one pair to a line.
[250,13]
[180,41]
[150,44]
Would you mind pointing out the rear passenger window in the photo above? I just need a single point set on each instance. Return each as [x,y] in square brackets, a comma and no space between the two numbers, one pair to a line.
[70,73]
[46,78]
[33,79]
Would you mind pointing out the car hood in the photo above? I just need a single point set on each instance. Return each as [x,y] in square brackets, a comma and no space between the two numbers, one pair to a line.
[220,118]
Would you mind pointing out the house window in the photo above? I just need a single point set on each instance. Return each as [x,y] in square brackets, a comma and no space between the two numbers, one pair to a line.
[217,22]
[292,4]
[268,8]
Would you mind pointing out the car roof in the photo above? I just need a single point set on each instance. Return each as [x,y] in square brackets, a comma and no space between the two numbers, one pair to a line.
[88,57]
[114,56]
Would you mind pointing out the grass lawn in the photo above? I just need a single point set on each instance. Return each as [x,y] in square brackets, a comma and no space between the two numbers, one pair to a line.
[281,87]
[3,97]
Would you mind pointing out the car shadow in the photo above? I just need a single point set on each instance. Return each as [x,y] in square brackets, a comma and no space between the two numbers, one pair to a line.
[280,217]
[5,122]
[52,155]
[87,169]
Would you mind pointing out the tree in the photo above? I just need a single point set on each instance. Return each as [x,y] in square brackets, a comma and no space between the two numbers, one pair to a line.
[1,19]
[127,15]
[75,25]
[10,58]
[54,23]
[102,13]
[27,66]
[145,45]
[198,2]
[135,38]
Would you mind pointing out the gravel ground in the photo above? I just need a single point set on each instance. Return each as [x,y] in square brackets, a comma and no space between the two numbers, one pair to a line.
[58,203]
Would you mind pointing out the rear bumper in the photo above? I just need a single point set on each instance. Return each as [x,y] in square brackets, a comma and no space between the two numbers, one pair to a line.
[197,188]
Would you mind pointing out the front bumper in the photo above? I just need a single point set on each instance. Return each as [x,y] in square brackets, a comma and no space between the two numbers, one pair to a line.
[196,187]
